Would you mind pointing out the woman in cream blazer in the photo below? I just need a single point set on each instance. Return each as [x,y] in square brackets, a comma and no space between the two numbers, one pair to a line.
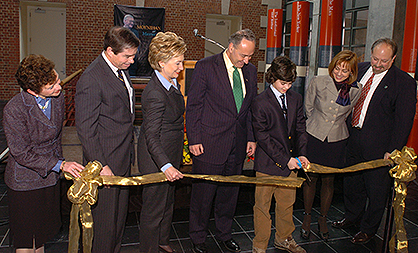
[328,102]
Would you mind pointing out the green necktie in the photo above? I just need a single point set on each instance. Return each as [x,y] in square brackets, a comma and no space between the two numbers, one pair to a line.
[237,90]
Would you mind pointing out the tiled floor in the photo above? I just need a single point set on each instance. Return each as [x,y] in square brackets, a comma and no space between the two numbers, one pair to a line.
[243,229]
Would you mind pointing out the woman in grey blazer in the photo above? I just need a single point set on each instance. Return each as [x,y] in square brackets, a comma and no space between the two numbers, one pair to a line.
[328,102]
[33,122]
[160,144]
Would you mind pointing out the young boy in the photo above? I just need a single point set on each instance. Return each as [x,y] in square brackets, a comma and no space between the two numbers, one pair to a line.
[279,128]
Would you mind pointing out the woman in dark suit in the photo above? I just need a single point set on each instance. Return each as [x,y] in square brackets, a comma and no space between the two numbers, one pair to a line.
[33,122]
[328,102]
[161,136]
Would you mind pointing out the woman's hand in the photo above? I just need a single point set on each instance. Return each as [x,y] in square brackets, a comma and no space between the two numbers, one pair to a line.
[73,168]
[172,174]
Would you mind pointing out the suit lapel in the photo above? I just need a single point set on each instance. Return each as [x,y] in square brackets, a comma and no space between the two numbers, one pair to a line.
[273,101]
[115,84]
[34,110]
[225,84]
[247,100]
[132,87]
[171,93]
[330,86]
[291,110]
[381,89]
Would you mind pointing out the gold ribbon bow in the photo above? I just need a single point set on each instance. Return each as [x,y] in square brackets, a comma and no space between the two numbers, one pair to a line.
[83,194]
[403,172]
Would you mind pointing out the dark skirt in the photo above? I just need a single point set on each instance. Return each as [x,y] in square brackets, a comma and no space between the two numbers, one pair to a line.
[331,154]
[34,214]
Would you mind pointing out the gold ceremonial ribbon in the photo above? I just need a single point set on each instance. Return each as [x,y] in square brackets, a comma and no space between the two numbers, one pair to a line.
[83,194]
[160,177]
[316,168]
[403,172]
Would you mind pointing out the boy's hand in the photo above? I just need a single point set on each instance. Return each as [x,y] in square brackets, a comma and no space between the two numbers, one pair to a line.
[304,161]
[293,164]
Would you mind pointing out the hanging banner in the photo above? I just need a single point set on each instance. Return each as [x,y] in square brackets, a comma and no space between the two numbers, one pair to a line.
[299,36]
[409,57]
[410,41]
[330,40]
[274,34]
[145,23]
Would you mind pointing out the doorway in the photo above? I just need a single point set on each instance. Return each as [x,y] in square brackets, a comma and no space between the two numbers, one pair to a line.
[219,28]
[43,31]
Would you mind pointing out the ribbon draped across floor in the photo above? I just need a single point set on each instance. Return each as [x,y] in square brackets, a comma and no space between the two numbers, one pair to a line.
[83,192]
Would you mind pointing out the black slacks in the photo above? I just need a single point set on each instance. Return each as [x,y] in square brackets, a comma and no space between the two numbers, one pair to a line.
[365,192]
[223,197]
[156,216]
[109,217]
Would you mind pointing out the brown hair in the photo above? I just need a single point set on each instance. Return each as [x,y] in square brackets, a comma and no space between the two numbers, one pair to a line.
[34,72]
[163,47]
[346,57]
[282,68]
[120,38]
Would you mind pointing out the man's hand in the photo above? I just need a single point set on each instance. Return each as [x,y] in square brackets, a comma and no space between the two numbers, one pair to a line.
[196,149]
[172,174]
[251,148]
[386,156]
[106,171]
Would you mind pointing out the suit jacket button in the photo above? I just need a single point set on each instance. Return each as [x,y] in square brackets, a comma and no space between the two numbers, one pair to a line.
[290,137]
[291,150]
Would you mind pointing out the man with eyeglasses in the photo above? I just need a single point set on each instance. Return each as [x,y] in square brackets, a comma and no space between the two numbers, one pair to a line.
[220,134]
[381,122]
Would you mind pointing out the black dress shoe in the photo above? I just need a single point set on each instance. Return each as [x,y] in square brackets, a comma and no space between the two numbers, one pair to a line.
[231,245]
[361,238]
[199,248]
[344,223]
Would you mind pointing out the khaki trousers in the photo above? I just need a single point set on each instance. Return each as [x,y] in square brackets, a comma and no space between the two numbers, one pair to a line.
[285,198]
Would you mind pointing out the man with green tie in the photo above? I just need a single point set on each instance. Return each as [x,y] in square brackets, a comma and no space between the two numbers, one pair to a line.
[220,135]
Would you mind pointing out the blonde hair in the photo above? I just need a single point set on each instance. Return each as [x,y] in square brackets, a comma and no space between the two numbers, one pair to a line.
[163,47]
[346,57]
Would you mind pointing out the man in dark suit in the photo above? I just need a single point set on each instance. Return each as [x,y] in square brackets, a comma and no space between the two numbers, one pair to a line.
[280,131]
[220,135]
[381,122]
[104,103]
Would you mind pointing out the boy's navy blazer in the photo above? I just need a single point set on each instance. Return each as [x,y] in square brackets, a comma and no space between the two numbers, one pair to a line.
[278,141]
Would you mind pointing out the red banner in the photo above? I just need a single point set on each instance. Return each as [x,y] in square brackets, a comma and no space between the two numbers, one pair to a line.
[300,24]
[410,42]
[331,23]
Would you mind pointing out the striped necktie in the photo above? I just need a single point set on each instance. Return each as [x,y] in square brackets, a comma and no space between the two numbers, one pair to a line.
[359,106]
[120,77]
[284,108]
